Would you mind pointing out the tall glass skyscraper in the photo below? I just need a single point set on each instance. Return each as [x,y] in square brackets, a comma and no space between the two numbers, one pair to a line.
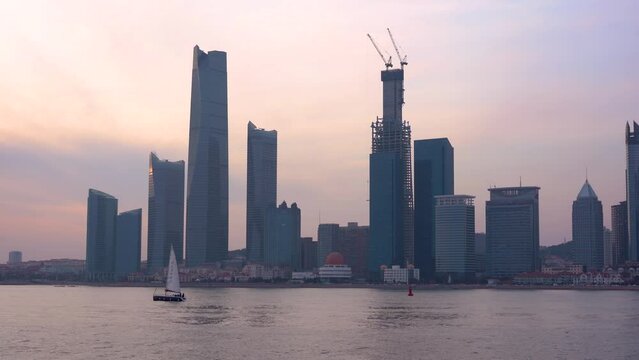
[587,229]
[128,243]
[632,189]
[512,231]
[207,203]
[166,212]
[455,237]
[391,181]
[261,187]
[102,211]
[282,245]
[434,176]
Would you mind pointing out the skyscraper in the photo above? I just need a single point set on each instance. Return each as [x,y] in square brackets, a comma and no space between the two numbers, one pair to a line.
[261,187]
[434,175]
[391,182]
[282,241]
[455,237]
[207,204]
[128,242]
[619,236]
[607,248]
[632,189]
[327,235]
[587,229]
[166,212]
[102,210]
[512,231]
[309,253]
[352,243]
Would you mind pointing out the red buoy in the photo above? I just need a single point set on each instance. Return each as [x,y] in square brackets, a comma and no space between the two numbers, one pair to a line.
[410,291]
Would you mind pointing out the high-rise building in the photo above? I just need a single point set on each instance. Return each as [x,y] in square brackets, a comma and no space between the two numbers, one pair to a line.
[166,212]
[207,198]
[102,210]
[15,257]
[128,242]
[512,231]
[455,237]
[434,175]
[327,235]
[632,189]
[587,229]
[391,182]
[261,187]
[282,240]
[619,236]
[608,248]
[352,243]
[309,253]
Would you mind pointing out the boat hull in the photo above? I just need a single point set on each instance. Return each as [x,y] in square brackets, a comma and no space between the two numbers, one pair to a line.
[167,298]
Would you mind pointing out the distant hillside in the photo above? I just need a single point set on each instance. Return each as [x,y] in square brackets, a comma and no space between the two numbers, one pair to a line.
[563,251]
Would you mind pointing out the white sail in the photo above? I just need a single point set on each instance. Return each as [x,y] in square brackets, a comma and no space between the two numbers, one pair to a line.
[172,275]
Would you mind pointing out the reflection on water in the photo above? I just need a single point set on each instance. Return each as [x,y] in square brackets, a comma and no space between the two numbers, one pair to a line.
[114,323]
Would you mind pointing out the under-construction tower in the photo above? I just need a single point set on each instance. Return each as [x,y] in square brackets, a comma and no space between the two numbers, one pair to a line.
[391,184]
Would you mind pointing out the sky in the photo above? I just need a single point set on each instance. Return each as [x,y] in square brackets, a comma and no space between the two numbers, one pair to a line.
[537,90]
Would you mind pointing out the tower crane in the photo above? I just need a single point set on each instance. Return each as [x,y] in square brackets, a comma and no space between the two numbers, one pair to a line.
[402,60]
[388,62]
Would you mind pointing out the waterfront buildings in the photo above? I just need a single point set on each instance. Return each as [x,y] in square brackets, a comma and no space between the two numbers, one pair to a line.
[309,253]
[398,275]
[619,236]
[632,189]
[207,219]
[261,187]
[480,252]
[282,241]
[327,235]
[102,210]
[455,237]
[587,229]
[166,212]
[608,248]
[15,257]
[351,241]
[335,269]
[128,242]
[512,231]
[434,175]
[391,193]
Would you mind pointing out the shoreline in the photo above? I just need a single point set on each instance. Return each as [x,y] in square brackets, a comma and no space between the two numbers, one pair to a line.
[394,287]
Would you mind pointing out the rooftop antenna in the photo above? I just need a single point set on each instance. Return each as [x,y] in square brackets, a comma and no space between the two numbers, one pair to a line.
[402,59]
[388,63]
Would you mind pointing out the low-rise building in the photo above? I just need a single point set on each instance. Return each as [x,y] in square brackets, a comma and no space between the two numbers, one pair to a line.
[398,275]
[335,269]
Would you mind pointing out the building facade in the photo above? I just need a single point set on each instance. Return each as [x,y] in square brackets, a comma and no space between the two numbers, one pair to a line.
[309,253]
[608,248]
[128,243]
[391,182]
[282,241]
[261,187]
[352,243]
[480,252]
[619,236]
[327,235]
[512,231]
[166,212]
[15,257]
[102,210]
[207,198]
[587,229]
[434,175]
[632,189]
[455,237]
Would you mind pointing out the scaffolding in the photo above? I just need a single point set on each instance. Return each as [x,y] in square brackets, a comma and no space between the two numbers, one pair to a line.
[395,136]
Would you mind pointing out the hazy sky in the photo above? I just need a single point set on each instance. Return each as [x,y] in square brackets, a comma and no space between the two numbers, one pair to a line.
[538,89]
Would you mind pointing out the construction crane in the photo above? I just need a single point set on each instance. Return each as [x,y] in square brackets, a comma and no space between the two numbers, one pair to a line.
[402,60]
[388,62]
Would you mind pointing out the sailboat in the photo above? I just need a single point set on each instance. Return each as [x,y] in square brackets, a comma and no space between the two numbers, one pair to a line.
[172,290]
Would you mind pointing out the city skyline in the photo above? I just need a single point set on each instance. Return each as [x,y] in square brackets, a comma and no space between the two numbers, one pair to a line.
[564,131]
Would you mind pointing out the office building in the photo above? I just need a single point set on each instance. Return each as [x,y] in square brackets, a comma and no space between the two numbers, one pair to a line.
[352,243]
[455,237]
[399,275]
[327,235]
[512,231]
[309,253]
[15,257]
[128,243]
[480,252]
[207,188]
[607,248]
[619,236]
[632,189]
[587,229]
[282,241]
[166,212]
[102,210]
[434,176]
[391,192]
[261,187]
